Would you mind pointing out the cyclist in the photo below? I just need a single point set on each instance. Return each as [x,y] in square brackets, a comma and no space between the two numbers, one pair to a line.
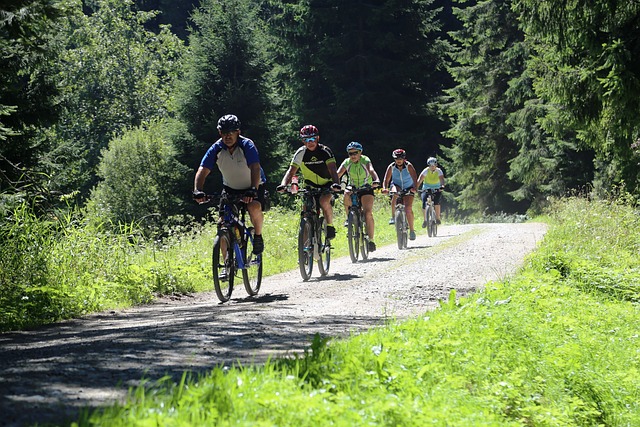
[431,178]
[318,166]
[401,175]
[239,163]
[360,171]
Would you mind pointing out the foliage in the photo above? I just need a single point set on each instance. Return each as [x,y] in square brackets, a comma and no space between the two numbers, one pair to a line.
[364,70]
[141,178]
[517,353]
[587,56]
[114,75]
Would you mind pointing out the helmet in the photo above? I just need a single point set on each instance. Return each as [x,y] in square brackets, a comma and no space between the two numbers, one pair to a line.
[228,123]
[354,145]
[399,154]
[308,131]
[432,161]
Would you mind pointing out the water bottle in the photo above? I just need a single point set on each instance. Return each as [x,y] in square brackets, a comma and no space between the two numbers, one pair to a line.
[294,184]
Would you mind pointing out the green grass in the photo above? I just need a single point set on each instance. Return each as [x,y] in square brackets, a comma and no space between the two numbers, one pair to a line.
[556,345]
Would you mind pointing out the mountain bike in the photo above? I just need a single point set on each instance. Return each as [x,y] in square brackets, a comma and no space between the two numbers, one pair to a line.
[233,248]
[430,213]
[401,221]
[356,225]
[312,241]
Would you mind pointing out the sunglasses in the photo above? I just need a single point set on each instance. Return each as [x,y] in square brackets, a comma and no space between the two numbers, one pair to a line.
[311,139]
[353,153]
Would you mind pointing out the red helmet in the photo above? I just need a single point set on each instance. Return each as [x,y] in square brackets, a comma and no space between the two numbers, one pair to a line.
[399,154]
[308,131]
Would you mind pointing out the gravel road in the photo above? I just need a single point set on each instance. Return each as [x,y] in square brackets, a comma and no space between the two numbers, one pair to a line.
[48,375]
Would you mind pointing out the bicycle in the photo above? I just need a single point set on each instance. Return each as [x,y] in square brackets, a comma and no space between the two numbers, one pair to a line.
[233,248]
[430,213]
[357,235]
[312,241]
[401,221]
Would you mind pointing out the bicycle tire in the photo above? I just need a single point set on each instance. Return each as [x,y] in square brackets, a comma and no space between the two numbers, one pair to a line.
[324,248]
[353,236]
[305,248]
[429,219]
[364,238]
[400,229]
[252,272]
[222,243]
[433,225]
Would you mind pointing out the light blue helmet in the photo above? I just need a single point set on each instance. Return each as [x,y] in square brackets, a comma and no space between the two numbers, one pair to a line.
[354,145]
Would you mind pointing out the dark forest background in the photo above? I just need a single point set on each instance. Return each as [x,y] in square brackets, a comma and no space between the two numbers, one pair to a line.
[108,105]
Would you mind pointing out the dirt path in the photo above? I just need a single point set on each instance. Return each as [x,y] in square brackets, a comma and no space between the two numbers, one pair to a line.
[47,375]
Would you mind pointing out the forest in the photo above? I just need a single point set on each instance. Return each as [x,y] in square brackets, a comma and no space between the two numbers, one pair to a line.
[107,106]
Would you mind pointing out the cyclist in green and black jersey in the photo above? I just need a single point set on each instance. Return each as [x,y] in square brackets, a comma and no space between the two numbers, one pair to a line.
[318,166]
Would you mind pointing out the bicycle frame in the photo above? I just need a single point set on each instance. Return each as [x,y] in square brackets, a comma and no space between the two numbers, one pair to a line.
[230,216]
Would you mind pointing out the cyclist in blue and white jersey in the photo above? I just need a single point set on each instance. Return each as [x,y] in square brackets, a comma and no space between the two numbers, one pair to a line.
[239,163]
[401,175]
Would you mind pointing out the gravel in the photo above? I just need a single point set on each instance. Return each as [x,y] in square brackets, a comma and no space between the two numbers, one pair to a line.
[48,375]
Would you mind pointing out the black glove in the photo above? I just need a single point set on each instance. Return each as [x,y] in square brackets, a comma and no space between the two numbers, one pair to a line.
[198,195]
[281,188]
[375,184]
[336,187]
[252,192]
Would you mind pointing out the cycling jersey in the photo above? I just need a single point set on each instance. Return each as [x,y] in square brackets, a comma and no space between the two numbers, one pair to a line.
[313,164]
[431,178]
[234,167]
[401,178]
[358,172]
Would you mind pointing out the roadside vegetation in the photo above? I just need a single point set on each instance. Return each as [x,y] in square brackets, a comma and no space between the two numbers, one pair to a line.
[67,265]
[555,345]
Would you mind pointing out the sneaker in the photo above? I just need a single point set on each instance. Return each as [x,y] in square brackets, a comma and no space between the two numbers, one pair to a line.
[331,232]
[258,244]
[392,221]
[412,235]
[371,246]
[424,224]
[223,274]
[438,221]
[346,223]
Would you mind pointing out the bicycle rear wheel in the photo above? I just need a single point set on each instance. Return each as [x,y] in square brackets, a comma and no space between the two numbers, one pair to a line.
[401,232]
[305,248]
[324,248]
[353,235]
[223,266]
[252,272]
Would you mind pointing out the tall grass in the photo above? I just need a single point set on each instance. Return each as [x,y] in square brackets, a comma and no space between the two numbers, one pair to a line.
[549,347]
[63,266]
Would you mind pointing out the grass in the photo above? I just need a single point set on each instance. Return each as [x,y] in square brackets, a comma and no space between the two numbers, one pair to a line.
[556,345]
[65,265]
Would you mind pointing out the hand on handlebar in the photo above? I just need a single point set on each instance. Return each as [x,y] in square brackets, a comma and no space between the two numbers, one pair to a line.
[375,184]
[336,187]
[281,188]
[199,196]
[385,191]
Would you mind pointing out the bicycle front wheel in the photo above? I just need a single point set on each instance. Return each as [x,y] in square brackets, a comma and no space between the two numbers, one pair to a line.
[324,248]
[364,238]
[223,266]
[401,229]
[353,235]
[252,272]
[305,248]
[433,224]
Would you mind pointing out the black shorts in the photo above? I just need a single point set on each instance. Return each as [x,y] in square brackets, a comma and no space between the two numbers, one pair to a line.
[435,195]
[262,197]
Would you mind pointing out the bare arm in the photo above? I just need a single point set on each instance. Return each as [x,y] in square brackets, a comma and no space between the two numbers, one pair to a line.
[387,178]
[286,179]
[373,173]
[333,171]
[201,175]
[414,177]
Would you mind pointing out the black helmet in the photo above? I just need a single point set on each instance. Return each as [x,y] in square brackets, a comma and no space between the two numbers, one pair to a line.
[228,123]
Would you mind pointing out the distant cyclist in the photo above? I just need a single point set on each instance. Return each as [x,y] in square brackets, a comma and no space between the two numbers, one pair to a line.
[431,178]
[319,170]
[238,161]
[360,171]
[401,175]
